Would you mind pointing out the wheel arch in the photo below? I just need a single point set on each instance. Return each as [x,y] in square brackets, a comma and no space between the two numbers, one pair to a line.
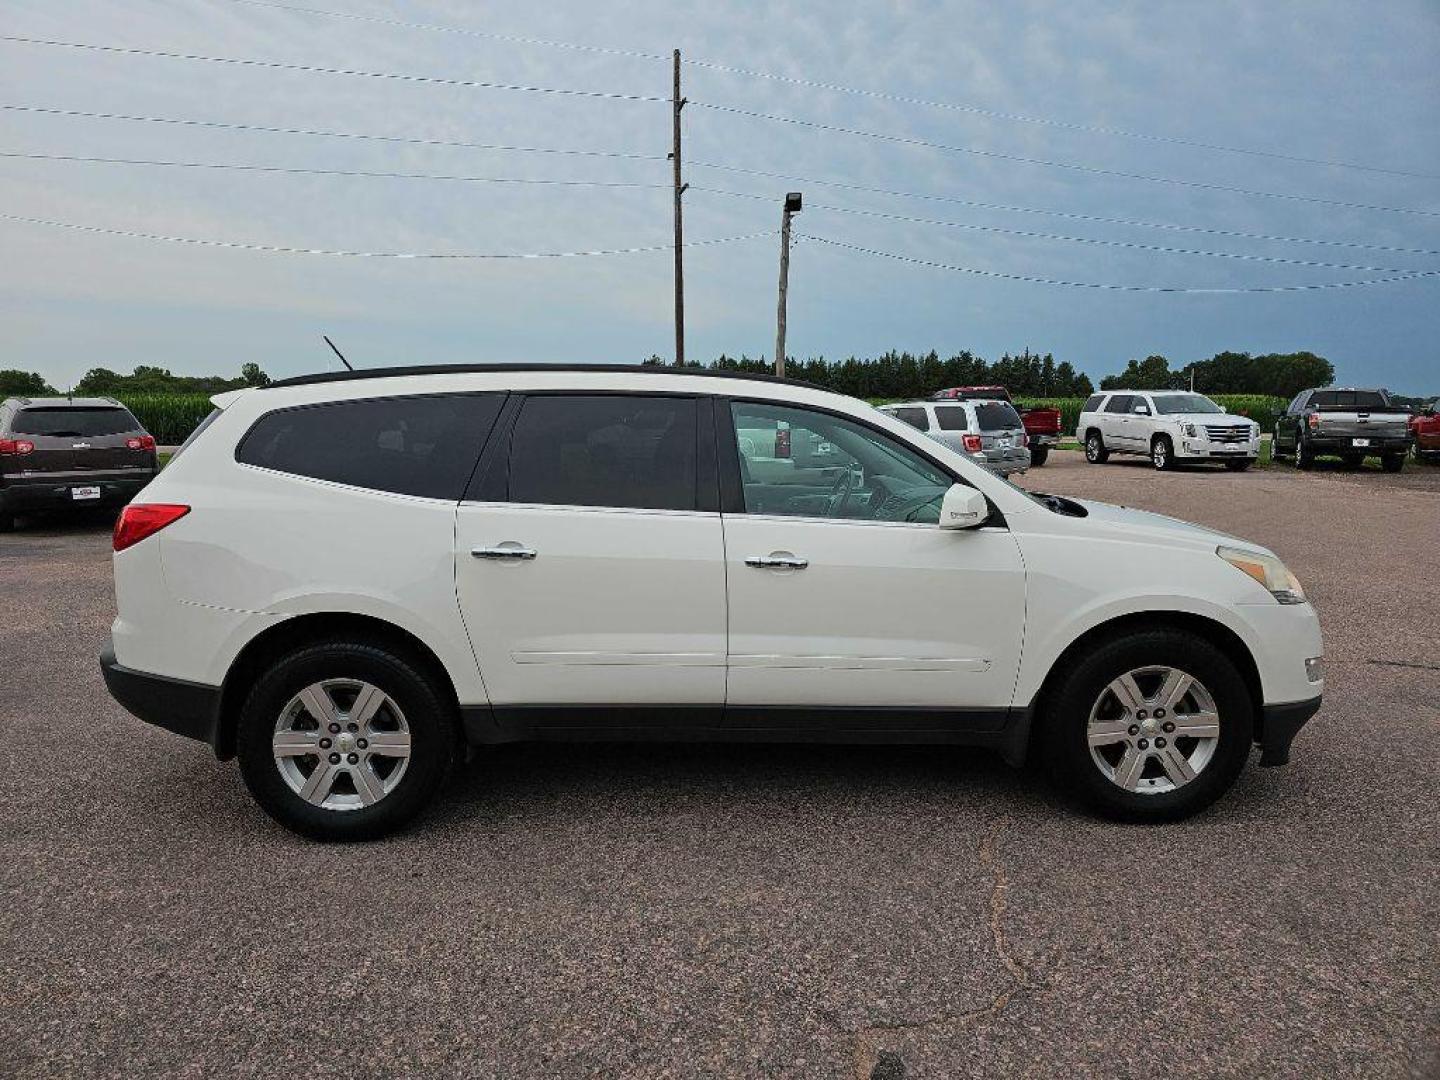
[1210,630]
[310,629]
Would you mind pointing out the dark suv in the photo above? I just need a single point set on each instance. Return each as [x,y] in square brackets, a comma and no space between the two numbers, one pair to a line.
[70,453]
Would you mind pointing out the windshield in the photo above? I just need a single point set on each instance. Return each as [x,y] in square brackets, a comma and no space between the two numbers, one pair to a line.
[997,416]
[73,421]
[1170,404]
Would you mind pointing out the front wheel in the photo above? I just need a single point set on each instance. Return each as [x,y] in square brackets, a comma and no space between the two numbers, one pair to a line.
[345,741]
[1162,454]
[1095,452]
[1152,726]
[1038,454]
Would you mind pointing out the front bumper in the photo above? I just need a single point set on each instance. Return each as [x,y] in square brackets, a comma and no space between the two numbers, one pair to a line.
[1218,451]
[19,496]
[186,708]
[1279,724]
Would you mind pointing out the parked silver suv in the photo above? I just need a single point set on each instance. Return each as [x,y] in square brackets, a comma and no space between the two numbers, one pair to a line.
[990,433]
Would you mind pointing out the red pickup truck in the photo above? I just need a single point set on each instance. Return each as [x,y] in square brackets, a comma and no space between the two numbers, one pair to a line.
[1042,423]
[1425,429]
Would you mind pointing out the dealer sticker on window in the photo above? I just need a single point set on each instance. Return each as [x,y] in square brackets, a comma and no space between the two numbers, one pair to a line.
[84,493]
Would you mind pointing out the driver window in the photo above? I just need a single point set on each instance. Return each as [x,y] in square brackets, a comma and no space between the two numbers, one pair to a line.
[801,463]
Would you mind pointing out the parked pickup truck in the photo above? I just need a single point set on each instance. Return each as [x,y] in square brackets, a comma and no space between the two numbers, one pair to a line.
[1042,423]
[1353,424]
[1425,430]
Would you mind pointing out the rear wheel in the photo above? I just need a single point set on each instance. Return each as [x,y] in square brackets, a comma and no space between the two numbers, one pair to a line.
[1095,452]
[1304,456]
[1151,726]
[1038,454]
[1162,453]
[345,741]
[1392,462]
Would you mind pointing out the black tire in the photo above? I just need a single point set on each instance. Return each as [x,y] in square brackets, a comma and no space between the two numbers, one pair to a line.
[1238,466]
[1162,453]
[1276,452]
[1066,713]
[7,523]
[1304,456]
[1095,452]
[434,738]
[1038,454]
[1392,462]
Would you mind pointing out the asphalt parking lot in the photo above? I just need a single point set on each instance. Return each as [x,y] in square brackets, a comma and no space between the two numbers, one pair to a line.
[745,911]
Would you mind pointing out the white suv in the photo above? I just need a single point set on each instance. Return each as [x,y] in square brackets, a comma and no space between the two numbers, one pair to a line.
[345,580]
[1168,426]
[988,432]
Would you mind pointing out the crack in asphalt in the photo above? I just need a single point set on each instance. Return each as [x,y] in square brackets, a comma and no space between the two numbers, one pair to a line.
[868,1053]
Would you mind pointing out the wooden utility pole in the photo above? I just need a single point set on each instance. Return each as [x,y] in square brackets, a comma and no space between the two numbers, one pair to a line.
[677,103]
[792,206]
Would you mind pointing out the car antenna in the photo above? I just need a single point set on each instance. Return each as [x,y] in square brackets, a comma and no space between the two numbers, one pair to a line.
[337,352]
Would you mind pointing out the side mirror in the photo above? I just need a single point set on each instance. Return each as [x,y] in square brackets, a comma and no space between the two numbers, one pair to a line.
[963,508]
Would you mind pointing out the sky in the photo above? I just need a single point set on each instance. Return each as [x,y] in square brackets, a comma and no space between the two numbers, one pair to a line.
[1100,88]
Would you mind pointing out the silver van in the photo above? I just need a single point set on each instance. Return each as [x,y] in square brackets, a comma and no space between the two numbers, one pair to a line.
[990,433]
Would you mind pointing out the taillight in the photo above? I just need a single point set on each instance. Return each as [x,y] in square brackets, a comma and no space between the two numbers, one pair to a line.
[1024,438]
[1313,420]
[19,447]
[139,520]
[782,442]
[972,443]
[141,442]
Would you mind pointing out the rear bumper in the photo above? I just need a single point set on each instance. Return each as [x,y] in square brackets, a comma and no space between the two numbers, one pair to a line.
[41,493]
[1003,463]
[186,708]
[1279,724]
[1044,439]
[1344,444]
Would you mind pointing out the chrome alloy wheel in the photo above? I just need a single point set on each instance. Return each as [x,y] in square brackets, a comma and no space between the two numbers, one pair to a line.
[1153,730]
[342,744]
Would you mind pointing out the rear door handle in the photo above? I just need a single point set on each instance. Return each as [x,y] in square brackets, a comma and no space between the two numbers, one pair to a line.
[788,562]
[510,551]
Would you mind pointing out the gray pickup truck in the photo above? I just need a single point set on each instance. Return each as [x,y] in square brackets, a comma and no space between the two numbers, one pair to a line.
[1353,424]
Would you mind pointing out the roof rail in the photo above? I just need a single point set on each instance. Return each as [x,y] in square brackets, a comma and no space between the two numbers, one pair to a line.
[481,369]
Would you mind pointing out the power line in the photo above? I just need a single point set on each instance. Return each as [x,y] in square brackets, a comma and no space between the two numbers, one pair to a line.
[1066,214]
[877,95]
[313,69]
[228,126]
[1132,245]
[1092,170]
[1034,280]
[283,250]
[368,173]
[621,155]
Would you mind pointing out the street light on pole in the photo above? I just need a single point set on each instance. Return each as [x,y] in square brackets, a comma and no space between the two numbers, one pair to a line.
[792,206]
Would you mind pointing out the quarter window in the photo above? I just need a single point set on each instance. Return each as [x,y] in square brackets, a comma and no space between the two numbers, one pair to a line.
[632,451]
[1093,402]
[802,463]
[952,418]
[409,445]
[915,417]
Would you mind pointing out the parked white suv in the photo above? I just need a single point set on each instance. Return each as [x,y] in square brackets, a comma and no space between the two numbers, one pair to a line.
[989,432]
[345,579]
[1169,426]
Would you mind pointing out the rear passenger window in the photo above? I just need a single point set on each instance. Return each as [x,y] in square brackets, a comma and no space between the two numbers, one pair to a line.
[408,445]
[619,450]
[914,417]
[952,418]
[1120,403]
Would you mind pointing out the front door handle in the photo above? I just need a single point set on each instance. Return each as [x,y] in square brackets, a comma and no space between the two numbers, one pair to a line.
[504,551]
[786,562]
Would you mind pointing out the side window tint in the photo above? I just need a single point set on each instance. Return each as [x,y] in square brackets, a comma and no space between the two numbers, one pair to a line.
[913,416]
[951,418]
[802,463]
[1093,402]
[409,445]
[620,450]
[1120,403]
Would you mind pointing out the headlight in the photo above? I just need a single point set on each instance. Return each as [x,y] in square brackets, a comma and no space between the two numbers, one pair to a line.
[1191,430]
[1268,571]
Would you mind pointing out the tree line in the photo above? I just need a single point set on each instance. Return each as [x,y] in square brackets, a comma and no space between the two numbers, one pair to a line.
[1275,374]
[102,382]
